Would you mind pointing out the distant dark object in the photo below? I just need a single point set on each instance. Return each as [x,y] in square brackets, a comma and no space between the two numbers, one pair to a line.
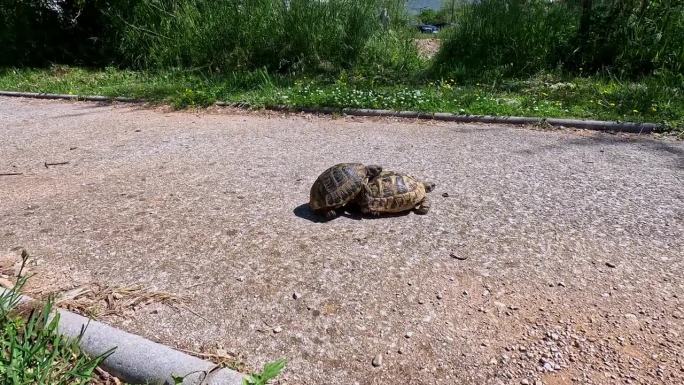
[427,28]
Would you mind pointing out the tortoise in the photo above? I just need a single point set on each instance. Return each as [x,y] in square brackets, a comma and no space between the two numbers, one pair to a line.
[339,185]
[393,192]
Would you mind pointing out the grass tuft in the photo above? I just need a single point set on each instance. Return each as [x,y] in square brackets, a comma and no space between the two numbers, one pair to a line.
[31,349]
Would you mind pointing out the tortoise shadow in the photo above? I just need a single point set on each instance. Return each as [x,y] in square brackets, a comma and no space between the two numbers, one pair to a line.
[304,211]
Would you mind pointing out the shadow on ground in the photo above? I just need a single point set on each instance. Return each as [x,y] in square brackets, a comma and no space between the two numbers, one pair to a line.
[304,211]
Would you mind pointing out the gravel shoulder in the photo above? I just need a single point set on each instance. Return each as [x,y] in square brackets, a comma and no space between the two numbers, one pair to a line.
[570,244]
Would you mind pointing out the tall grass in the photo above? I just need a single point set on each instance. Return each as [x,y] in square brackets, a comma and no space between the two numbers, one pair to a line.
[512,38]
[284,36]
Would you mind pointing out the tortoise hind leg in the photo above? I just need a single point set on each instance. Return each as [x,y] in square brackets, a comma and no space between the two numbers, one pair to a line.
[423,207]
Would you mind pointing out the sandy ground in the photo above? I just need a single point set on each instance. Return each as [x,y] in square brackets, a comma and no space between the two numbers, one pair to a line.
[570,244]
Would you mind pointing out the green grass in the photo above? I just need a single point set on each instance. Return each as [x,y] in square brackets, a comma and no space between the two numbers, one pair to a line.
[31,350]
[547,95]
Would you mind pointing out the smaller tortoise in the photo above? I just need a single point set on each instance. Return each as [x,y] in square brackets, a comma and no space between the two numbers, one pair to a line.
[392,192]
[339,185]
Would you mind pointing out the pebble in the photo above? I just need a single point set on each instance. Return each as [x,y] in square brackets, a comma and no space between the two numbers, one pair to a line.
[377,360]
[296,295]
[611,265]
[548,367]
[524,381]
[445,195]
[277,329]
[458,256]
[240,278]
[439,296]
[408,334]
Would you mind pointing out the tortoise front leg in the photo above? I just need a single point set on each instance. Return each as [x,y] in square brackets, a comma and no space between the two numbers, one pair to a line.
[330,214]
[423,207]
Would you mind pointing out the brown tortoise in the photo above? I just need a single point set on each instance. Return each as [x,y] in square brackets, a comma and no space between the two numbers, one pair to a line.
[392,192]
[339,185]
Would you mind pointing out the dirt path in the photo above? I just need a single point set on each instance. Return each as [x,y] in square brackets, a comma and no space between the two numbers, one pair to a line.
[570,244]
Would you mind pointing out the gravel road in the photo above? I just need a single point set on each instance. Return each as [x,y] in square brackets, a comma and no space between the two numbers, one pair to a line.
[549,257]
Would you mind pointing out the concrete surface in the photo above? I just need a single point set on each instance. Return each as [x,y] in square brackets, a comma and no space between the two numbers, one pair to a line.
[570,244]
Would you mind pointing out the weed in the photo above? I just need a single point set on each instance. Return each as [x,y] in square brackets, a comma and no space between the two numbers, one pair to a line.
[32,351]
[271,370]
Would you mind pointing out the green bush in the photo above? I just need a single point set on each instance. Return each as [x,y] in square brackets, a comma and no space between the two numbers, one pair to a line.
[506,38]
[630,37]
[39,32]
[512,38]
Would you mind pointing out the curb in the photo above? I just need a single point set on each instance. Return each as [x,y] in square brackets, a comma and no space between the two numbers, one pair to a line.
[596,125]
[137,360]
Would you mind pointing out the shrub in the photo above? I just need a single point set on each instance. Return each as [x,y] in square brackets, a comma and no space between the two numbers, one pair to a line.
[510,38]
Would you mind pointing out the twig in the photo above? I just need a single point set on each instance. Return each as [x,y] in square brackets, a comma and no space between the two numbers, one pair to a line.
[11,173]
[220,357]
[47,165]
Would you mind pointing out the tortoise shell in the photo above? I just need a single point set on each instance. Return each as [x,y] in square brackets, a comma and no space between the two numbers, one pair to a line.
[337,186]
[392,192]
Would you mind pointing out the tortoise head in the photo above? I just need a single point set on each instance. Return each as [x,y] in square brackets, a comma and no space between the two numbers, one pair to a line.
[429,186]
[373,170]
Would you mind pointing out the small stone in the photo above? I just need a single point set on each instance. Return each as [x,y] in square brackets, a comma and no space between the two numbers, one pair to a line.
[561,284]
[439,296]
[538,382]
[377,360]
[240,278]
[400,351]
[459,256]
[611,265]
[277,329]
[524,381]
[548,367]
[408,334]
[420,301]
[296,295]
[445,195]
